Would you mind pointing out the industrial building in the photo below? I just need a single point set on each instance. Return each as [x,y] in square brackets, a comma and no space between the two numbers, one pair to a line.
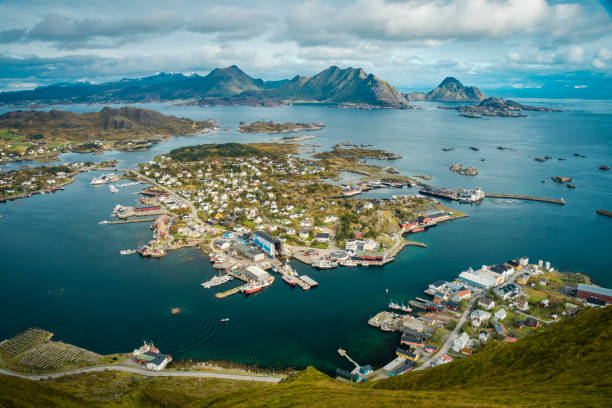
[267,243]
[255,273]
[594,292]
[248,252]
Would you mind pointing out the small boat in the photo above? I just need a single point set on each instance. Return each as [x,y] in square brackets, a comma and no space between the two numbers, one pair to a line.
[112,188]
[225,319]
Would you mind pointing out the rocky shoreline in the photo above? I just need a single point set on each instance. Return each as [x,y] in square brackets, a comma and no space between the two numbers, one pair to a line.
[496,107]
[468,171]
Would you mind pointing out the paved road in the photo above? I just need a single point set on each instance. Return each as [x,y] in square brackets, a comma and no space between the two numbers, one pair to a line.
[194,212]
[451,337]
[204,374]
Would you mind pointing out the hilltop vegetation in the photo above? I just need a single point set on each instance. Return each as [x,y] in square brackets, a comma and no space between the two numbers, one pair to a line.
[108,124]
[262,126]
[231,149]
[566,365]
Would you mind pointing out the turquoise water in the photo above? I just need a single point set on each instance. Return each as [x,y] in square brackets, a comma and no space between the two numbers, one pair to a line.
[62,271]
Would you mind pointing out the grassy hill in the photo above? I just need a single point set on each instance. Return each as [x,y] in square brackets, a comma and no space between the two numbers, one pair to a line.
[108,124]
[564,366]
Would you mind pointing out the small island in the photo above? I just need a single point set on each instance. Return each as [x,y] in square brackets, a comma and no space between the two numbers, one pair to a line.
[468,171]
[273,127]
[357,152]
[496,107]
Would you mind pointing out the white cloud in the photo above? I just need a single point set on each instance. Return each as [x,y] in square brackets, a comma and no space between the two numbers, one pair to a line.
[598,63]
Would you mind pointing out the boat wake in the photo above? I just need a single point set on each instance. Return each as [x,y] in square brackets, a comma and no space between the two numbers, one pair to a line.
[202,331]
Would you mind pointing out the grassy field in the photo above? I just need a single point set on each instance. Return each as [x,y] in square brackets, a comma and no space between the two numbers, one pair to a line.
[563,366]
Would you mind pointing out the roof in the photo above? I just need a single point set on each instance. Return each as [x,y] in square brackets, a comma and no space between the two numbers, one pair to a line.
[267,237]
[595,289]
[439,283]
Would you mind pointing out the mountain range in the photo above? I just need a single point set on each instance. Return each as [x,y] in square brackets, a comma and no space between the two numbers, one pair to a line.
[223,86]
[449,90]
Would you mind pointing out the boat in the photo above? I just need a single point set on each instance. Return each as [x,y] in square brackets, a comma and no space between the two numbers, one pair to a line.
[324,264]
[127,251]
[105,179]
[252,288]
[112,188]
[225,319]
[216,281]
[290,280]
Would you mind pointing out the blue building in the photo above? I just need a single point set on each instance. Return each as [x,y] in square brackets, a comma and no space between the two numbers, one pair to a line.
[267,243]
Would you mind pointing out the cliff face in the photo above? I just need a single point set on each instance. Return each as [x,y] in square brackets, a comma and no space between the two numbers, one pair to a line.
[450,90]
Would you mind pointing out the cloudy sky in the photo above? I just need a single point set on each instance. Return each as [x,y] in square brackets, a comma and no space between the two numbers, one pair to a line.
[515,44]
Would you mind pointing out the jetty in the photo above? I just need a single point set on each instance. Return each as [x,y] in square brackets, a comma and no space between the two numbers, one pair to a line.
[128,221]
[526,197]
[604,212]
[230,292]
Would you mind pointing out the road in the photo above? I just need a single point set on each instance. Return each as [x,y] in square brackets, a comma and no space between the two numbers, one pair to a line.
[451,337]
[194,212]
[163,373]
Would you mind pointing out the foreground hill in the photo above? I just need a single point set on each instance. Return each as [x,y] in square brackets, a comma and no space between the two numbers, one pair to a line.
[222,86]
[566,365]
[450,90]
[108,124]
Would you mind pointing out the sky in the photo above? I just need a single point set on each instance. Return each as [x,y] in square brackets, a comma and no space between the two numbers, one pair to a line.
[413,44]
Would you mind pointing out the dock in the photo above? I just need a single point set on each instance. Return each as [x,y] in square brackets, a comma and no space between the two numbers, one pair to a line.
[309,280]
[526,197]
[221,295]
[128,221]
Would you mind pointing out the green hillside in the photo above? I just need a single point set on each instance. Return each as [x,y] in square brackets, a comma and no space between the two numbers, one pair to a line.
[564,366]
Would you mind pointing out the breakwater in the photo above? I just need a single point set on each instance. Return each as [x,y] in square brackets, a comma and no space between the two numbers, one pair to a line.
[526,197]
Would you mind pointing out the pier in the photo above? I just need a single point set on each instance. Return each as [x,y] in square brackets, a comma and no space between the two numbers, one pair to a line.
[344,354]
[230,292]
[526,197]
[128,221]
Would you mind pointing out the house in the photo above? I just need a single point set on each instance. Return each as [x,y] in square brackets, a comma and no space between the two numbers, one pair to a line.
[437,285]
[507,291]
[483,336]
[370,245]
[452,306]
[323,237]
[545,303]
[413,324]
[500,314]
[411,341]
[479,317]
[368,205]
[461,342]
[531,322]
[400,352]
[503,269]
[486,303]
[500,328]
[303,234]
[521,304]
[366,369]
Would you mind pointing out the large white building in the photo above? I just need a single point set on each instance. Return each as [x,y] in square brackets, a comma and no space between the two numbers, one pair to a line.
[483,277]
[256,273]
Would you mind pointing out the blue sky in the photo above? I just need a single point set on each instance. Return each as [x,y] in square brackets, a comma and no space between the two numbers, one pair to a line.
[414,44]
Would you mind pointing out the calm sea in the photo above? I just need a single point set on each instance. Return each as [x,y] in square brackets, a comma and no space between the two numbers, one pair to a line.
[62,271]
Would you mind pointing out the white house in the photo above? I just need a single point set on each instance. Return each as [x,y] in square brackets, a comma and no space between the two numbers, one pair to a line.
[500,314]
[461,342]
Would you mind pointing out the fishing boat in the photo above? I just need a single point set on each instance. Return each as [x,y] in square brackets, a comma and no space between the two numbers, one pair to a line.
[289,279]
[225,319]
[252,288]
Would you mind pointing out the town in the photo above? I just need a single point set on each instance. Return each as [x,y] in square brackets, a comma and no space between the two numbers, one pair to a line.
[503,302]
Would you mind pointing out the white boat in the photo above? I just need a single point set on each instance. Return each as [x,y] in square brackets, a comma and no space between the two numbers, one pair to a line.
[112,188]
[105,179]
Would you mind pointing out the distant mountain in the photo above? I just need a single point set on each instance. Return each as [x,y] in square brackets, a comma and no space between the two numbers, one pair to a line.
[335,85]
[161,87]
[223,86]
[450,90]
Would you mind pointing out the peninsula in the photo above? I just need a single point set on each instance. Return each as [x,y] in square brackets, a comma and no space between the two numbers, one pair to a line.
[42,136]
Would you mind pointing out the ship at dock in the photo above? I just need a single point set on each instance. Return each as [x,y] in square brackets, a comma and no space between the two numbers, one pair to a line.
[463,195]
[105,179]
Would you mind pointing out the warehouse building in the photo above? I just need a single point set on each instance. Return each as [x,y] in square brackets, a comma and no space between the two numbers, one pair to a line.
[267,243]
[594,292]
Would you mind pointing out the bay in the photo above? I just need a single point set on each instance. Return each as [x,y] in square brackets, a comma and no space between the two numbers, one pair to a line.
[62,271]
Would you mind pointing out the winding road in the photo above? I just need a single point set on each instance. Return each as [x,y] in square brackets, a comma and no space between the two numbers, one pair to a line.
[147,373]
[451,337]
